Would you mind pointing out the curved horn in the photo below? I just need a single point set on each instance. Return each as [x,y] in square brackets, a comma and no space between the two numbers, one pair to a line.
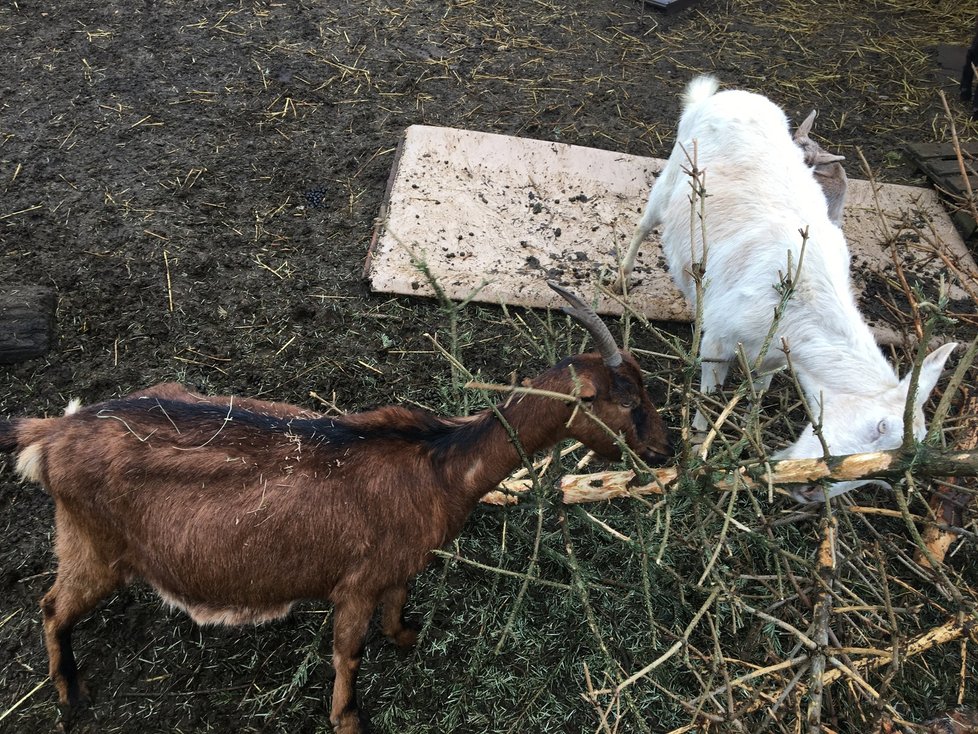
[586,317]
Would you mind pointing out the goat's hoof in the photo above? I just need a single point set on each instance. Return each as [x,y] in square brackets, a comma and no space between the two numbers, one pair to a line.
[407,636]
[614,281]
[404,637]
[68,713]
[350,722]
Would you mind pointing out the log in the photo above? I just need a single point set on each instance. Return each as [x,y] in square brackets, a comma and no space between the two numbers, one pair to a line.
[924,461]
[26,322]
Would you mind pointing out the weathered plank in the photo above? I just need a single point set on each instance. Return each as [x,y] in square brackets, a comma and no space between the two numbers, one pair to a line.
[26,322]
[944,151]
[939,162]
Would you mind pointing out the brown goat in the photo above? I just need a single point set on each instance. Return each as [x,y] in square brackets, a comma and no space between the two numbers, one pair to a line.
[233,509]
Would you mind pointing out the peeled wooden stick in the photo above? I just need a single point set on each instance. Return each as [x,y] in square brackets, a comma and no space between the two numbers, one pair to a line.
[508,492]
[883,464]
[607,485]
[601,486]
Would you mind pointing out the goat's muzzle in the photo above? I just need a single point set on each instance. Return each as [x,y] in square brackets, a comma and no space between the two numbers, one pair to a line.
[659,455]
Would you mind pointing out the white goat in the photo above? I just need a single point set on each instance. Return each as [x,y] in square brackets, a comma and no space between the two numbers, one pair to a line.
[759,196]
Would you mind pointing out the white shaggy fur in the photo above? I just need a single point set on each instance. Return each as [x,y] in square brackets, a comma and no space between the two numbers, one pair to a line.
[759,195]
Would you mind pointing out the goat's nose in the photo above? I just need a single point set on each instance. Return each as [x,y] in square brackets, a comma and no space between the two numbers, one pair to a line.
[665,449]
[654,457]
[671,446]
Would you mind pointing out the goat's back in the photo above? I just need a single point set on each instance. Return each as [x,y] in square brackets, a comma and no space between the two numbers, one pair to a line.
[743,142]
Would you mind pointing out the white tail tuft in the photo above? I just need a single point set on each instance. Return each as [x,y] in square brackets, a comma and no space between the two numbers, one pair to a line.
[30,462]
[74,405]
[700,90]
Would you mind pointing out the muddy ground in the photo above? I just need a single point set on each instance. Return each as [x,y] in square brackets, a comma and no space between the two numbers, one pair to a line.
[199,182]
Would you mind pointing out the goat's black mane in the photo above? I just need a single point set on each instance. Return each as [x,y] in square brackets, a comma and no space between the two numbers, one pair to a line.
[408,425]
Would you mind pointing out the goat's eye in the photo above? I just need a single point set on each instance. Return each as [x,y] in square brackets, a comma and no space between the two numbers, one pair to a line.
[882,427]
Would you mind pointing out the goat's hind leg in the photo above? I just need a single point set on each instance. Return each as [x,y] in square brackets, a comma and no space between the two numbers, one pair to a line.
[392,618]
[82,581]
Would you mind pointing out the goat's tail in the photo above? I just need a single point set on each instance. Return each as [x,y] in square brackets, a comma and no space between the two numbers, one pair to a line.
[29,459]
[8,436]
[700,90]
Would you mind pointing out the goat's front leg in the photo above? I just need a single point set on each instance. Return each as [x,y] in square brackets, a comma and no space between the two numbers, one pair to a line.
[392,618]
[349,631]
[628,262]
[713,372]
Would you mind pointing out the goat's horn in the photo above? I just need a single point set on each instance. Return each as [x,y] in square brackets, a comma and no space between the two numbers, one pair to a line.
[586,317]
[806,126]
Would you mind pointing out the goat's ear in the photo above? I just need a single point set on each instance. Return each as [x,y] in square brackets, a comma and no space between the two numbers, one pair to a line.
[822,157]
[930,371]
[585,389]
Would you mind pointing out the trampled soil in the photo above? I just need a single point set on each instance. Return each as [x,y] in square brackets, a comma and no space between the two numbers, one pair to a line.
[198,182]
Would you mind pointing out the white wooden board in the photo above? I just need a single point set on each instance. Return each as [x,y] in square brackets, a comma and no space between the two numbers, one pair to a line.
[500,215]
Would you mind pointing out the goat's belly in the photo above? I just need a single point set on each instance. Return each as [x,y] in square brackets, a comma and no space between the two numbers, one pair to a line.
[729,320]
[209,612]
[231,592]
